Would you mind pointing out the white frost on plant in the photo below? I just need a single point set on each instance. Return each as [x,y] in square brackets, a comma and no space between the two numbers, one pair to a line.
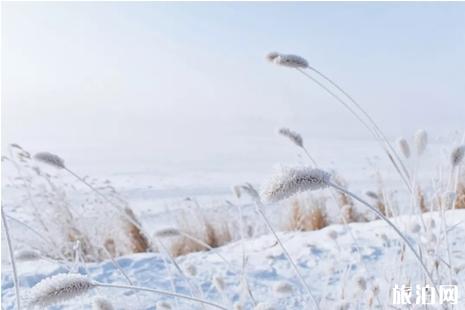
[59,288]
[291,180]
[50,159]
[404,147]
[421,141]
[287,60]
[293,136]
[457,155]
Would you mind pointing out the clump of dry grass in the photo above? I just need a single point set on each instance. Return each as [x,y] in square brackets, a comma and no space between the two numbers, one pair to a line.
[379,203]
[421,200]
[460,200]
[138,241]
[307,214]
[73,214]
[213,231]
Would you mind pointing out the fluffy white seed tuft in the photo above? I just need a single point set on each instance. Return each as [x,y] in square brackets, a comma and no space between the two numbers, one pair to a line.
[289,181]
[404,147]
[292,135]
[247,189]
[421,141]
[59,288]
[457,155]
[287,60]
[372,194]
[50,159]
[101,303]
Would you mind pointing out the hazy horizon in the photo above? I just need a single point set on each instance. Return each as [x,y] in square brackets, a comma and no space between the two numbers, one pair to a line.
[190,80]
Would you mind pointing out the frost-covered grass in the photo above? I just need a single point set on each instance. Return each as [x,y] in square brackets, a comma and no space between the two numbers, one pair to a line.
[355,264]
[307,241]
[328,258]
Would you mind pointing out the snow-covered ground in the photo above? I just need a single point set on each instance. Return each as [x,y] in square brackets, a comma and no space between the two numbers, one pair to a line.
[334,260]
[331,266]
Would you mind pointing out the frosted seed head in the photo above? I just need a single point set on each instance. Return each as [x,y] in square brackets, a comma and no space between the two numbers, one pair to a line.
[59,288]
[457,155]
[247,189]
[421,141]
[292,135]
[372,194]
[101,303]
[404,147]
[289,181]
[50,159]
[288,60]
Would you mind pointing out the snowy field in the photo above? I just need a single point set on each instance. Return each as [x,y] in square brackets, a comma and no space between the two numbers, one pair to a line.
[243,156]
[333,269]
[346,267]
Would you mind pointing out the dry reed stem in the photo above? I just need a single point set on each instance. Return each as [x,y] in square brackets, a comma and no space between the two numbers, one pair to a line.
[139,242]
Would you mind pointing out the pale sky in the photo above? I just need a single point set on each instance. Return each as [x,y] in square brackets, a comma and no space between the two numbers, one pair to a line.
[158,79]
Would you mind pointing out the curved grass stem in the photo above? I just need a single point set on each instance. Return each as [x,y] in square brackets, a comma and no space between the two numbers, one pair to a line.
[398,232]
[12,259]
[288,256]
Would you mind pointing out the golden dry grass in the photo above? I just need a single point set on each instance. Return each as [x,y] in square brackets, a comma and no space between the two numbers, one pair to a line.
[214,232]
[460,199]
[307,214]
[138,241]
[421,200]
